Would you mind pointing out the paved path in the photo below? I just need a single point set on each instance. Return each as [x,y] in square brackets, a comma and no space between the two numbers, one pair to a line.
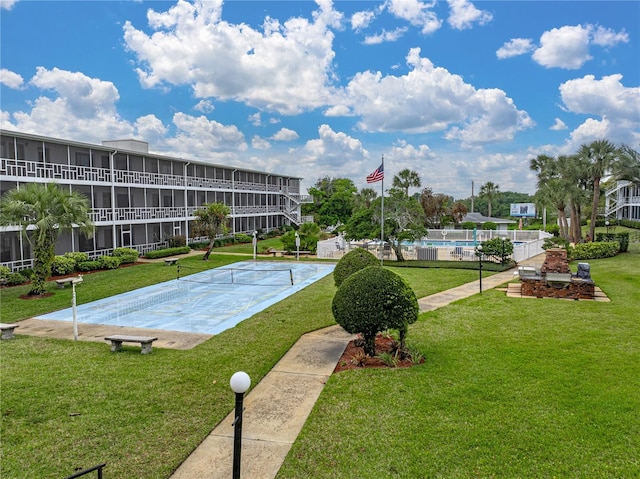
[277,408]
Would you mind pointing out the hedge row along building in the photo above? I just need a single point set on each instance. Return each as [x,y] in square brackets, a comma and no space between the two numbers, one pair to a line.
[139,199]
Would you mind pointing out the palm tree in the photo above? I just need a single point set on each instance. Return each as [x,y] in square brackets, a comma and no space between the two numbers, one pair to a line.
[600,157]
[44,211]
[405,179]
[489,191]
[628,168]
[364,198]
[551,188]
[210,222]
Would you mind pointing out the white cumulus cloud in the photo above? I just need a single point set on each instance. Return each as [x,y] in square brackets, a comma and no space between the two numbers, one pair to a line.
[515,47]
[11,79]
[417,13]
[284,67]
[463,14]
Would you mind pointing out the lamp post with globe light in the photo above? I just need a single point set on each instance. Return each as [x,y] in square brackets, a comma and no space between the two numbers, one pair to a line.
[240,383]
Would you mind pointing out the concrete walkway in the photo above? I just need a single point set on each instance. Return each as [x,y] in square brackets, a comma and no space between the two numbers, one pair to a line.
[277,407]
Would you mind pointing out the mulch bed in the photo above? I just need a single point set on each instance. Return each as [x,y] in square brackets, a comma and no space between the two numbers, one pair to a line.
[352,358]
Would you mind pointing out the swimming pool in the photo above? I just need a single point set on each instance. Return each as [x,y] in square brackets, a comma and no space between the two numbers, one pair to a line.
[207,302]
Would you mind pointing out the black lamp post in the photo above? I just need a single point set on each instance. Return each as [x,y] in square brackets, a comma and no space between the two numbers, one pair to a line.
[479,250]
[240,382]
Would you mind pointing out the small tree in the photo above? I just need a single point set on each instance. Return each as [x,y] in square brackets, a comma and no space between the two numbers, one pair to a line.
[309,234]
[44,211]
[210,222]
[372,300]
[352,262]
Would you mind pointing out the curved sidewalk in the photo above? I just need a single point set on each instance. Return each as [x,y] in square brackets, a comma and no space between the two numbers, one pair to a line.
[278,406]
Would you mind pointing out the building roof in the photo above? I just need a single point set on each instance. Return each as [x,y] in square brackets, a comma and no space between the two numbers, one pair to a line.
[478,218]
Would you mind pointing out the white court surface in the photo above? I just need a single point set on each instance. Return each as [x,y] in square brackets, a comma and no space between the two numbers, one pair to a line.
[207,302]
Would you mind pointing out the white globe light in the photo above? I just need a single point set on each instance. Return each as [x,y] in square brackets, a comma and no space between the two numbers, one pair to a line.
[240,382]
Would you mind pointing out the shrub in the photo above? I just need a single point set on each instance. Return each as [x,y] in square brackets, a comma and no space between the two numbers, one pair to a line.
[372,300]
[555,242]
[27,273]
[89,266]
[554,230]
[109,262]
[77,256]
[62,265]
[489,225]
[498,248]
[14,279]
[594,250]
[126,255]
[5,271]
[242,238]
[162,253]
[176,241]
[621,238]
[353,261]
[468,225]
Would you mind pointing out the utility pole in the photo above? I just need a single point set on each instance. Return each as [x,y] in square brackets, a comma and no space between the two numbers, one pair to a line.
[471,196]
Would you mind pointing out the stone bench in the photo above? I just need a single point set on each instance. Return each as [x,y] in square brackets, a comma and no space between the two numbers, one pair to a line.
[278,253]
[65,281]
[6,330]
[118,339]
[170,261]
[558,278]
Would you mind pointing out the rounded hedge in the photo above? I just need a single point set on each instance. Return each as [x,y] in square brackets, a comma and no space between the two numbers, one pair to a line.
[372,300]
[353,261]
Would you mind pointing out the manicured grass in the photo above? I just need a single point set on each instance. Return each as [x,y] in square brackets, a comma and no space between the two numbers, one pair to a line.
[247,248]
[510,388]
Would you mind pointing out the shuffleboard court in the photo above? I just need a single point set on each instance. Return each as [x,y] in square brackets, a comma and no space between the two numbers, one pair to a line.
[208,302]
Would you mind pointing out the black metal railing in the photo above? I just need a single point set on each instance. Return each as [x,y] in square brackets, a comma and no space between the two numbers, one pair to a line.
[87,471]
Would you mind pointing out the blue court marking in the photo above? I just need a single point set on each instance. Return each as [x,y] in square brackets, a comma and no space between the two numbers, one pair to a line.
[205,302]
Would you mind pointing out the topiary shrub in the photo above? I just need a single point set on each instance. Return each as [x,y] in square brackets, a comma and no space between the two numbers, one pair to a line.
[372,300]
[126,255]
[109,262]
[353,261]
[62,265]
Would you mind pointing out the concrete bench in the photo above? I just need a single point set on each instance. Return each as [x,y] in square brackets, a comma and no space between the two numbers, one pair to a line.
[558,278]
[118,339]
[278,253]
[6,330]
[304,253]
[170,261]
[65,281]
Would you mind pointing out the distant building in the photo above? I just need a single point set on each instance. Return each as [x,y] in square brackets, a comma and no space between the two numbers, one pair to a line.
[139,199]
[479,220]
[622,202]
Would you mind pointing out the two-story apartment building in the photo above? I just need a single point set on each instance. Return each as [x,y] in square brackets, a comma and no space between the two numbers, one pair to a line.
[623,201]
[139,199]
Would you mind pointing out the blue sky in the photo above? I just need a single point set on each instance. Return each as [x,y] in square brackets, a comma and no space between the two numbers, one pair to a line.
[458,91]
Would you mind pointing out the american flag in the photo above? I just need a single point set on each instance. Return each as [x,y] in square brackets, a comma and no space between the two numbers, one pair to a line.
[376,175]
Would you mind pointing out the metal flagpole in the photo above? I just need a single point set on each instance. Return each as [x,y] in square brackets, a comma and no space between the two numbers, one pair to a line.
[382,216]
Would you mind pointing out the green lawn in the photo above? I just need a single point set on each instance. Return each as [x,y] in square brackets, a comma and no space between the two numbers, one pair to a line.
[510,387]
